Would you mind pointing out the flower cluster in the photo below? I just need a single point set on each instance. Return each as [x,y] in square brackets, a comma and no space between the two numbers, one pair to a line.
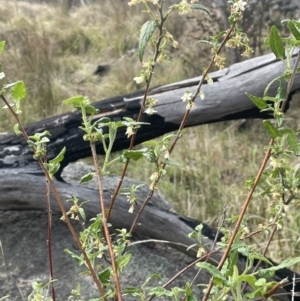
[150,103]
[240,40]
[145,72]
[170,38]
[219,61]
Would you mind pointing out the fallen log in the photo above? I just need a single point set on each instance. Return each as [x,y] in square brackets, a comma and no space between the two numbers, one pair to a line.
[224,100]
[24,239]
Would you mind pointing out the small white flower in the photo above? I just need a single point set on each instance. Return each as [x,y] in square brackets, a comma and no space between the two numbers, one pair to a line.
[138,79]
[154,176]
[175,44]
[240,5]
[129,131]
[201,94]
[131,209]
[190,105]
[209,80]
[150,111]
[133,2]
[187,96]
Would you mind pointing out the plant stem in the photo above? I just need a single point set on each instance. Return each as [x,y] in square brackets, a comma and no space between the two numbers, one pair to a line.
[155,56]
[59,201]
[104,223]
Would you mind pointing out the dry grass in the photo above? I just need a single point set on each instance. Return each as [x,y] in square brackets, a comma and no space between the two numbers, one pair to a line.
[56,51]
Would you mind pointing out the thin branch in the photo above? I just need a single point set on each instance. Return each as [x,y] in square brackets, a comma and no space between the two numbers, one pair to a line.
[250,194]
[59,201]
[104,224]
[49,236]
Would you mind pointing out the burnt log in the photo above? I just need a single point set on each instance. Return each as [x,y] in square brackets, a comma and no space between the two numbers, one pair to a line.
[23,236]
[224,100]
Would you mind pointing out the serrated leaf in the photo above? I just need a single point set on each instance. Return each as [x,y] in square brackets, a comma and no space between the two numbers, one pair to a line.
[172,163]
[291,139]
[123,261]
[86,178]
[44,140]
[104,275]
[79,259]
[132,291]
[276,43]
[82,214]
[59,157]
[211,269]
[90,110]
[147,31]
[150,155]
[150,143]
[153,276]
[18,91]
[284,264]
[260,257]
[201,7]
[76,101]
[2,43]
[17,129]
[250,279]
[258,101]
[159,291]
[281,91]
[134,154]
[294,30]
[273,132]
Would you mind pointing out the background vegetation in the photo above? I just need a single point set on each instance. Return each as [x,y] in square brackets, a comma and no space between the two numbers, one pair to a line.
[56,48]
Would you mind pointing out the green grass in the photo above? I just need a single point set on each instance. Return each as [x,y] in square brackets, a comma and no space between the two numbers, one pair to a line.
[55,51]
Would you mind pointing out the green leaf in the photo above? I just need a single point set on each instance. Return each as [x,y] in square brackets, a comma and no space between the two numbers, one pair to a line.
[82,214]
[250,279]
[147,31]
[150,155]
[90,110]
[150,143]
[2,75]
[153,276]
[159,291]
[258,101]
[132,291]
[79,259]
[59,157]
[18,92]
[76,101]
[276,43]
[17,130]
[134,154]
[281,91]
[104,275]
[284,264]
[294,29]
[273,132]
[211,269]
[201,7]
[291,139]
[172,163]
[86,178]
[2,43]
[260,257]
[123,261]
